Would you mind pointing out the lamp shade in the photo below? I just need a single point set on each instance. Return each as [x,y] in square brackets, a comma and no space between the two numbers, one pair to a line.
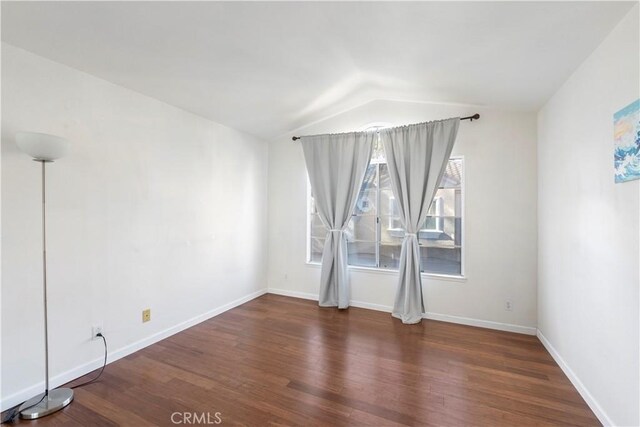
[42,146]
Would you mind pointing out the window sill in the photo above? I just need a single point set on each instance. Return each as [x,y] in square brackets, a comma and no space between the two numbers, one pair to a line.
[446,277]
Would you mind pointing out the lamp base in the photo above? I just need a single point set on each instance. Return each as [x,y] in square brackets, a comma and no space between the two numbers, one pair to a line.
[56,400]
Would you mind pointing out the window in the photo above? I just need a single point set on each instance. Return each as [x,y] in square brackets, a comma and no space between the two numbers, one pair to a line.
[375,233]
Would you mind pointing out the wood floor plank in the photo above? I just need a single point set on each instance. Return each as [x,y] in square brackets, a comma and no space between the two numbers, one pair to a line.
[287,362]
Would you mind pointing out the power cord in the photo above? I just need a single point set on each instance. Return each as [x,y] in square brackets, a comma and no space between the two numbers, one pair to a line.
[101,369]
[13,412]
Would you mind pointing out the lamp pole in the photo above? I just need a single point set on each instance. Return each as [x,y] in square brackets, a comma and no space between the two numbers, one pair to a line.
[44,276]
[44,149]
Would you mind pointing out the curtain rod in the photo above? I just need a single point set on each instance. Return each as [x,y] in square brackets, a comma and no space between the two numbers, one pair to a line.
[476,116]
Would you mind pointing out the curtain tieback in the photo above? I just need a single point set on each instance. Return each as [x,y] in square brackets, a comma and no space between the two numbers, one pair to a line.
[335,229]
[410,234]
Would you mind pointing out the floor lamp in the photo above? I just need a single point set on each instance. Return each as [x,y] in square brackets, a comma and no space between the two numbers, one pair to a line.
[44,149]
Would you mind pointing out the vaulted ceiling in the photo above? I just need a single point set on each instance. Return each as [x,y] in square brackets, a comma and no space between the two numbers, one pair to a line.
[268,68]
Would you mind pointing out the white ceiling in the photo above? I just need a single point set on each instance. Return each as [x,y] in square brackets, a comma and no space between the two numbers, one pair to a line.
[268,68]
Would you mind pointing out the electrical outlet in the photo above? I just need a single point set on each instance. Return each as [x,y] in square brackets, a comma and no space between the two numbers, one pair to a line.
[146,315]
[508,305]
[95,330]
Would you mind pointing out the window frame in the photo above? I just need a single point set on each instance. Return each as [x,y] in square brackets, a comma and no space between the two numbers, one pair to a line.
[452,277]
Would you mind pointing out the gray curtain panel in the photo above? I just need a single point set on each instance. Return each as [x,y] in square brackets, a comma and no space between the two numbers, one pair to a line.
[416,156]
[336,165]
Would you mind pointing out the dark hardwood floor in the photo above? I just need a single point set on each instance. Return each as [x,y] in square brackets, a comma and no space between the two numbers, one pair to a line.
[285,361]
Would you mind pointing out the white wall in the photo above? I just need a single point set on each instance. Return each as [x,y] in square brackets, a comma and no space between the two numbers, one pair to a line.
[500,216]
[588,230]
[153,208]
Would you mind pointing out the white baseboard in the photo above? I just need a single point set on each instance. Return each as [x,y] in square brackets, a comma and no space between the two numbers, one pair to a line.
[294,294]
[433,316]
[64,377]
[586,395]
[489,324]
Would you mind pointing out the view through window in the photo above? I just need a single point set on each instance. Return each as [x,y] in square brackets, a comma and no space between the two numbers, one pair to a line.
[375,233]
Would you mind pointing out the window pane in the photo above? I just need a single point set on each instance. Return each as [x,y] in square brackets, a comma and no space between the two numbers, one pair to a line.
[317,228]
[387,202]
[440,260]
[452,177]
[317,245]
[370,178]
[377,156]
[441,233]
[390,255]
[362,253]
[446,232]
[385,180]
[366,204]
[447,202]
[391,235]
[312,205]
[391,230]
[362,228]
